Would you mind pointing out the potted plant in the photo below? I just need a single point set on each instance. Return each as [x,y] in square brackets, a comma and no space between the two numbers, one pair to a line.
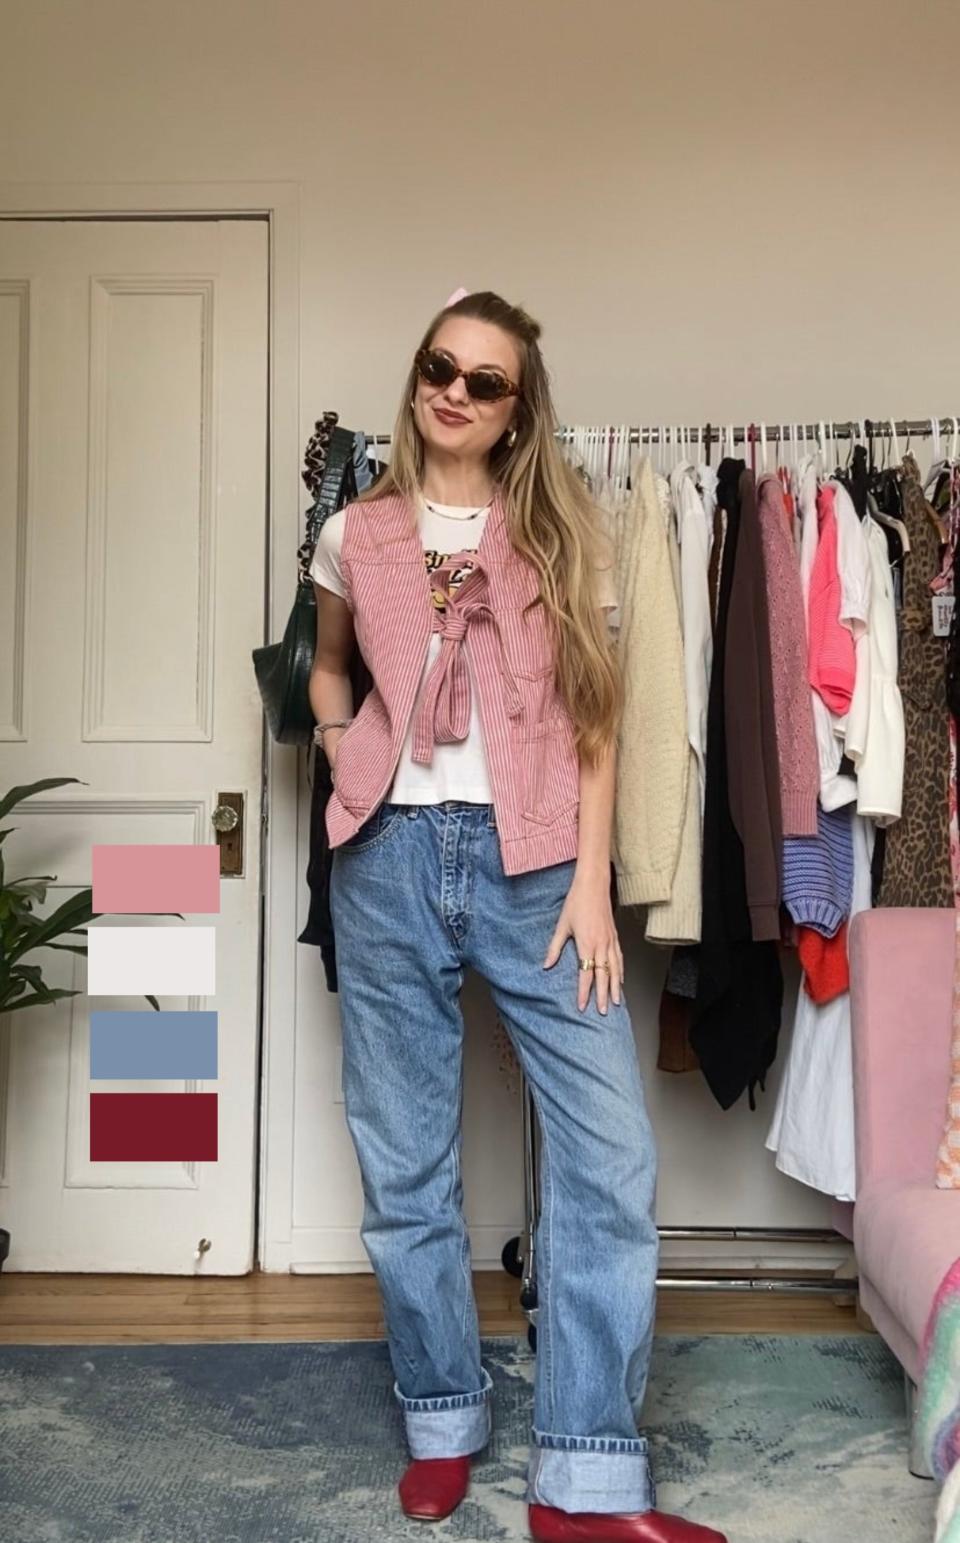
[22,932]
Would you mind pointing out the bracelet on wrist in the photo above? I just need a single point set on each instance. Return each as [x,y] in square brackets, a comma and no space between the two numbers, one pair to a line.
[335,723]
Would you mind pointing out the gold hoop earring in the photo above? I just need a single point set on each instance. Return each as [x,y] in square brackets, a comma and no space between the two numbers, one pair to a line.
[512,438]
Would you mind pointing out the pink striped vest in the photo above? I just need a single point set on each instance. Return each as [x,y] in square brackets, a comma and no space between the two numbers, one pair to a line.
[528,734]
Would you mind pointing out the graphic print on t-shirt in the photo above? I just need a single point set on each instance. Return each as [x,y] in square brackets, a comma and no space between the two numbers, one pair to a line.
[434,560]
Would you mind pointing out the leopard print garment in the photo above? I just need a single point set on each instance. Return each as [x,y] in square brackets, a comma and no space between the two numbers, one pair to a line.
[917,866]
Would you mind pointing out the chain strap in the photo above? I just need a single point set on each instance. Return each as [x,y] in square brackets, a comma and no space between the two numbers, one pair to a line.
[315,466]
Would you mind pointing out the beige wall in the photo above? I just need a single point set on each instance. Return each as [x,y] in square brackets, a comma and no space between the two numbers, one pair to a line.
[716,210]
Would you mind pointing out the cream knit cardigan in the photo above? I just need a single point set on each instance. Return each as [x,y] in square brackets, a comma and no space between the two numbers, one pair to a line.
[653,756]
[678,919]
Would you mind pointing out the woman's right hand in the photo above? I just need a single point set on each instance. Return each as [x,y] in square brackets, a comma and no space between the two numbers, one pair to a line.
[331,740]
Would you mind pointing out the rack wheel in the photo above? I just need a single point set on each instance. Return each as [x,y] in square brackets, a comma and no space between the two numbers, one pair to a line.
[510,1257]
[532,1337]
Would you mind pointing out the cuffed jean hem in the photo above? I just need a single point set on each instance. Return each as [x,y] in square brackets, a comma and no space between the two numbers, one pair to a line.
[590,1473]
[453,1425]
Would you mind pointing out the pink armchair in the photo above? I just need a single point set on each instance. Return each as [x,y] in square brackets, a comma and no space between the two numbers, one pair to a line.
[906,1232]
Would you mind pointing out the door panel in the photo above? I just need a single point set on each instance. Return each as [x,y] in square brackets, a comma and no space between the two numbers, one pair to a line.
[133,508]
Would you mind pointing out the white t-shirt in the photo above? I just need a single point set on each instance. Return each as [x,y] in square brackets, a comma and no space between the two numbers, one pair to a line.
[459,769]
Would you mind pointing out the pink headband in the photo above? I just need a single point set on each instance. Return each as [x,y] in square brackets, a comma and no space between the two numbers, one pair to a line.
[458,294]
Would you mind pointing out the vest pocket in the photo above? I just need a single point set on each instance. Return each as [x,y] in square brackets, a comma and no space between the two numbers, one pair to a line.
[362,755]
[550,769]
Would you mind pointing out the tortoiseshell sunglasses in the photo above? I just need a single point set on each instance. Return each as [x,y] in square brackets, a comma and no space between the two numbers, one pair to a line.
[438,368]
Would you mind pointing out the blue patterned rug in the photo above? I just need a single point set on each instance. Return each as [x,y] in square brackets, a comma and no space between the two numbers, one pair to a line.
[779,1439]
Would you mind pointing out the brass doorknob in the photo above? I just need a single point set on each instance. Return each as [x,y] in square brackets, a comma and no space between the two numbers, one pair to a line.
[225,818]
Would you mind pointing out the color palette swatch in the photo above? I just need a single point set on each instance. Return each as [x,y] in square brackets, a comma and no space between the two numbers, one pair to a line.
[153,1127]
[174,959]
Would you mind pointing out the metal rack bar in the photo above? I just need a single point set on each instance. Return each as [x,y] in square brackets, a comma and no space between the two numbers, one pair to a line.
[811,1284]
[750,1234]
[823,1286]
[712,433]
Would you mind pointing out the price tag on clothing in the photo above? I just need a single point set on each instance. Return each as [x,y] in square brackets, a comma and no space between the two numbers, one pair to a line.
[942,614]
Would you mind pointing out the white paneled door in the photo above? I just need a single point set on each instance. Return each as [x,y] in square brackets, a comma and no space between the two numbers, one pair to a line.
[133,513]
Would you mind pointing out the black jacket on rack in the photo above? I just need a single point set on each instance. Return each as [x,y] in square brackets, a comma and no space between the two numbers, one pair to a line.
[736,1014]
[319,924]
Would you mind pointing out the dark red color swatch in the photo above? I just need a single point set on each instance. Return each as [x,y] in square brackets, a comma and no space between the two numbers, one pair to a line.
[153,1127]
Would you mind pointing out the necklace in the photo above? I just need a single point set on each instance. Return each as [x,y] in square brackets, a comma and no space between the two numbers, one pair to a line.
[444,511]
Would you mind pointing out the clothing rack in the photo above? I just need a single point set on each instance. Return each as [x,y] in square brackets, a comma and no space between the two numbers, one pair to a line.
[519,1253]
[785,432]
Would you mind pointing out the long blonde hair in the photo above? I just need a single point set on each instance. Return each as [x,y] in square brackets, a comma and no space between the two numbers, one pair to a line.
[552,519]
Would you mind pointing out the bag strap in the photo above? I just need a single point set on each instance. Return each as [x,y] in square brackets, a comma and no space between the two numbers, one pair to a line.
[330,475]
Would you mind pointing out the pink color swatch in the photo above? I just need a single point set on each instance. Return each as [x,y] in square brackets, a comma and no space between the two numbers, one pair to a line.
[159,876]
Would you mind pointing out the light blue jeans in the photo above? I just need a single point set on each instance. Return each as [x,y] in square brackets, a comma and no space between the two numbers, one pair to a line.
[416,895]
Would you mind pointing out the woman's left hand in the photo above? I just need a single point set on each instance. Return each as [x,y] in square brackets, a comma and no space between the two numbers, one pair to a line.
[587,916]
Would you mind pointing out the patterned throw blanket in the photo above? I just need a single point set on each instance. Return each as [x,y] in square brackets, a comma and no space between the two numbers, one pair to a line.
[938,1401]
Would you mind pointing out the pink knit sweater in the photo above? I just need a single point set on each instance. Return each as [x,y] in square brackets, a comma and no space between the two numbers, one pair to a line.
[793,711]
[832,651]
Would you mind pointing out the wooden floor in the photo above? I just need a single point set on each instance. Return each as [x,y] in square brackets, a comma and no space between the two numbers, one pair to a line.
[56,1309]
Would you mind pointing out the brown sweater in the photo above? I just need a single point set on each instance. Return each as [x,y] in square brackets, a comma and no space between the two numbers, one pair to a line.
[752,767]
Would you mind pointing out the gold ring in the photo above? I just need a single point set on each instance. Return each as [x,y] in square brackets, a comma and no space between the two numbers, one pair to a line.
[586,964]
[601,964]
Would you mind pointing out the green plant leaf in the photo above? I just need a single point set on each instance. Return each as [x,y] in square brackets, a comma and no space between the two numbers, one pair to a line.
[76,908]
[55,994]
[24,790]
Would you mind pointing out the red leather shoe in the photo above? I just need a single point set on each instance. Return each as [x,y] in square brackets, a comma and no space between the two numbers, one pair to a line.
[432,1487]
[548,1524]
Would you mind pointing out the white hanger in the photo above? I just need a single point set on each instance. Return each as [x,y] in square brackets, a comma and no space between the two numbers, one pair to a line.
[936,463]
[578,445]
[621,443]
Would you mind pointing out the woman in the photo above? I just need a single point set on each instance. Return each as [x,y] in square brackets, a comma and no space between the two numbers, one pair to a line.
[470,824]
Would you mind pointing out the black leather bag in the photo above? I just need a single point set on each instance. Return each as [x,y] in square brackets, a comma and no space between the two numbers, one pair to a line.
[283,669]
